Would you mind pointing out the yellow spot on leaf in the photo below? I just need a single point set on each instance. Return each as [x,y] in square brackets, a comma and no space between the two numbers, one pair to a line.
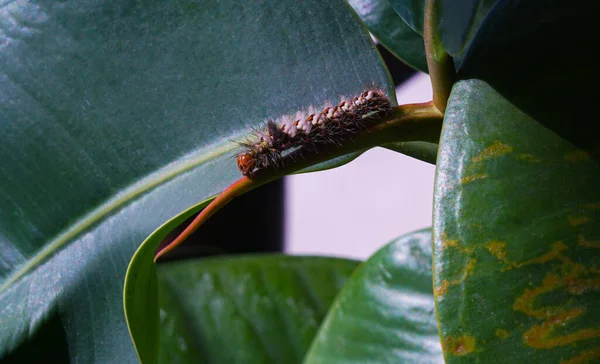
[452,243]
[540,336]
[578,220]
[448,242]
[526,302]
[577,156]
[593,206]
[468,268]
[495,150]
[472,178]
[557,249]
[528,158]
[501,333]
[580,286]
[441,290]
[584,357]
[572,277]
[497,249]
[462,345]
[588,243]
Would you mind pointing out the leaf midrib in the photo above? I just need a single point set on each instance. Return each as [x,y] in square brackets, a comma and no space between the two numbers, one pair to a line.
[113,204]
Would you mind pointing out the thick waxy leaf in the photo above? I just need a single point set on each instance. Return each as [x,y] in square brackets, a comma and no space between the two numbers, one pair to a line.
[391,31]
[460,21]
[517,237]
[117,115]
[254,309]
[412,12]
[385,313]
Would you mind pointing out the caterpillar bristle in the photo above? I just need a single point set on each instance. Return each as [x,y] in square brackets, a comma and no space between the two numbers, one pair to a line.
[310,130]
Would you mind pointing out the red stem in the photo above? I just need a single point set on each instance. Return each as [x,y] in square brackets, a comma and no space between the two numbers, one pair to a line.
[239,187]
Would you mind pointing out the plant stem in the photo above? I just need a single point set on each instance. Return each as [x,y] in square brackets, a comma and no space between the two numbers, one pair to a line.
[237,188]
[412,122]
[440,64]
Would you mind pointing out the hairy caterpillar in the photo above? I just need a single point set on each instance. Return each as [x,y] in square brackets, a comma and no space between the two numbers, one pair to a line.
[307,131]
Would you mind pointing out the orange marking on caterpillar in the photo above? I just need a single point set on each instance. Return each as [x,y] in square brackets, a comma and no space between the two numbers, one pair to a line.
[294,136]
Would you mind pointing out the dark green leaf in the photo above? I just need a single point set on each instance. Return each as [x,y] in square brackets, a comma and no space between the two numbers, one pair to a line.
[117,115]
[412,12]
[537,56]
[391,31]
[460,21]
[254,309]
[517,233]
[385,312]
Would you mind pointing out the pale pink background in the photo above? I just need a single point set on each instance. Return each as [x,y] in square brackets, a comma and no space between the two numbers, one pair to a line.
[353,210]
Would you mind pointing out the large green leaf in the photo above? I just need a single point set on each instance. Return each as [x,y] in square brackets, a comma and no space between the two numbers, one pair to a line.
[412,12]
[517,233]
[391,31]
[117,115]
[385,313]
[459,21]
[252,309]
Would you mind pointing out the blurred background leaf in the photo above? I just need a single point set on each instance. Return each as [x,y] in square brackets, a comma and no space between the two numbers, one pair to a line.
[391,31]
[250,309]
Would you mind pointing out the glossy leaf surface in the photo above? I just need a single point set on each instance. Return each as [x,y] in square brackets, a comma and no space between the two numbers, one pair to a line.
[412,12]
[516,236]
[117,115]
[385,313]
[252,309]
[391,31]
[460,21]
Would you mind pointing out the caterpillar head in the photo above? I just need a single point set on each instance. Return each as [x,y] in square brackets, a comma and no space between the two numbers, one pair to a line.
[246,163]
